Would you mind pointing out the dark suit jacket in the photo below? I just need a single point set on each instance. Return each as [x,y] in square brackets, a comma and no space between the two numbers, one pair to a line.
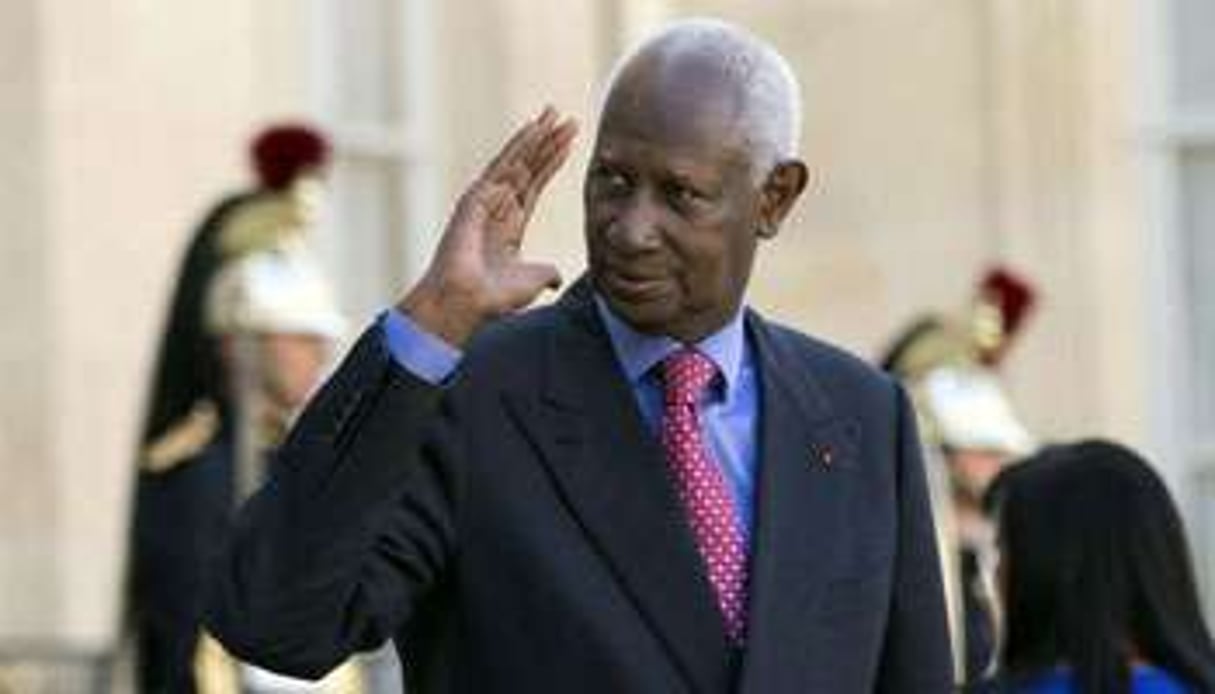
[516,531]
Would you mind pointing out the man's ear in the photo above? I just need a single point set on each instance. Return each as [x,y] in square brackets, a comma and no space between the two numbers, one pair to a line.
[780,190]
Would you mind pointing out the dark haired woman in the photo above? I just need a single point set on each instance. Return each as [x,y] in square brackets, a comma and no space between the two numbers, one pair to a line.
[1097,582]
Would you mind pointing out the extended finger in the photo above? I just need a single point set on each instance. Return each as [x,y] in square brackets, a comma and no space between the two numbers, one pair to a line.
[521,141]
[548,153]
[498,202]
[556,153]
[534,165]
[526,280]
[521,144]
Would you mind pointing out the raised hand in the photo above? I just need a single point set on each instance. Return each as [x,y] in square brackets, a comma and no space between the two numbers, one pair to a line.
[476,273]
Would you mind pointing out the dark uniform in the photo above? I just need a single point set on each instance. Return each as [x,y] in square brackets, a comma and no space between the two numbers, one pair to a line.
[948,364]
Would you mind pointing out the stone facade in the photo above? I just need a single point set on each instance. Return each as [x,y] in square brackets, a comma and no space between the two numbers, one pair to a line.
[943,134]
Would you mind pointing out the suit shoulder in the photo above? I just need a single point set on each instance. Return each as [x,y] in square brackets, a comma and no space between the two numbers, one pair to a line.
[523,330]
[834,365]
[513,343]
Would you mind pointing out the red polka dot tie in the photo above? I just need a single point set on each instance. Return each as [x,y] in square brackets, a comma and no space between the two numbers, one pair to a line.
[702,486]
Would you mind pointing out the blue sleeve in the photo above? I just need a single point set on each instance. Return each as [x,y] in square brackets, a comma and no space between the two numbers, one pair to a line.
[419,352]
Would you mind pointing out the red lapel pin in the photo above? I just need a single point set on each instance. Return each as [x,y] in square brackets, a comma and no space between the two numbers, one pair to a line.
[824,455]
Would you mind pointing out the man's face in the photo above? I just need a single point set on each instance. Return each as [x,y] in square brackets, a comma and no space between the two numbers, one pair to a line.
[672,205]
[973,470]
[294,365]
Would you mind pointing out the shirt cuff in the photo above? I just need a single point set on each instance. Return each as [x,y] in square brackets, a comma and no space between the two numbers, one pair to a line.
[419,352]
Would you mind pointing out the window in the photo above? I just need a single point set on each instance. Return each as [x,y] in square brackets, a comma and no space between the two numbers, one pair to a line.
[1197,192]
[371,72]
[1179,124]
[1189,123]
[1193,77]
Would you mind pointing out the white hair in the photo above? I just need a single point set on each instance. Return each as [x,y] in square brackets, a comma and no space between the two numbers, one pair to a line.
[771,111]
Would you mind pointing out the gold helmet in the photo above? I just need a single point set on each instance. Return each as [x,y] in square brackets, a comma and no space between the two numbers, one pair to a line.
[947,362]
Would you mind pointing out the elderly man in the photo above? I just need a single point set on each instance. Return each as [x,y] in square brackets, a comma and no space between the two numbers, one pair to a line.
[645,487]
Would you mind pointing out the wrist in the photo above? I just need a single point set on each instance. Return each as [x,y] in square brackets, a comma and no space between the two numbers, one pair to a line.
[442,312]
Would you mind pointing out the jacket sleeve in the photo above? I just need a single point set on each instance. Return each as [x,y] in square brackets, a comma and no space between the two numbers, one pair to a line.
[915,655]
[352,530]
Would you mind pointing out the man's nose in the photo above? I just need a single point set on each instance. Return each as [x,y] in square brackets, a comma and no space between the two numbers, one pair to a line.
[637,227]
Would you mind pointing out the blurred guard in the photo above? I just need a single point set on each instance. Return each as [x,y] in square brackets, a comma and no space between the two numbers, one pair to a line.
[969,427]
[289,161]
[194,423]
[276,324]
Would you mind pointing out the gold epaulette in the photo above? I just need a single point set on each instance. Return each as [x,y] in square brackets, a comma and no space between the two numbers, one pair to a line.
[215,672]
[183,440]
[946,343]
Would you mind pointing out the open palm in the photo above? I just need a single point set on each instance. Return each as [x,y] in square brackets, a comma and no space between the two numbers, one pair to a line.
[477,273]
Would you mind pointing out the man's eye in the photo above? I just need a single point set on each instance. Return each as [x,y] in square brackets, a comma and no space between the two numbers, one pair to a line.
[684,195]
[611,181]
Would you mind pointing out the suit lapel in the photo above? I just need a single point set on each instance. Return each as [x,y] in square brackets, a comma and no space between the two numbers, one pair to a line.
[805,452]
[612,475]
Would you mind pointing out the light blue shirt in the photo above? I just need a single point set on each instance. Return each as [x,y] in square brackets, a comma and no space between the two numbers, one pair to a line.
[419,352]
[729,412]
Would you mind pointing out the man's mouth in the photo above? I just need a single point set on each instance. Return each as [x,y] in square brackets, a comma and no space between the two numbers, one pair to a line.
[632,286]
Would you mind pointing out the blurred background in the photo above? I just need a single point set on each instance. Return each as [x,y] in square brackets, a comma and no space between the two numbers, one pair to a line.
[1071,139]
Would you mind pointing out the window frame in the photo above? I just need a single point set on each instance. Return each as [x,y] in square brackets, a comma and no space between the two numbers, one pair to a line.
[404,145]
[1169,129]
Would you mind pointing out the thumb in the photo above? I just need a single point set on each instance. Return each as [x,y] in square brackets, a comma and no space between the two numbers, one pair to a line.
[526,280]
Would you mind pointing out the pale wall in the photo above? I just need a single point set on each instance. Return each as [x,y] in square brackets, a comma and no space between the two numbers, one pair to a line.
[501,63]
[945,134]
[941,133]
[132,117]
[25,403]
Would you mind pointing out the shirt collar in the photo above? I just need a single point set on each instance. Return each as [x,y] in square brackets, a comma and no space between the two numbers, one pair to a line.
[638,352]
